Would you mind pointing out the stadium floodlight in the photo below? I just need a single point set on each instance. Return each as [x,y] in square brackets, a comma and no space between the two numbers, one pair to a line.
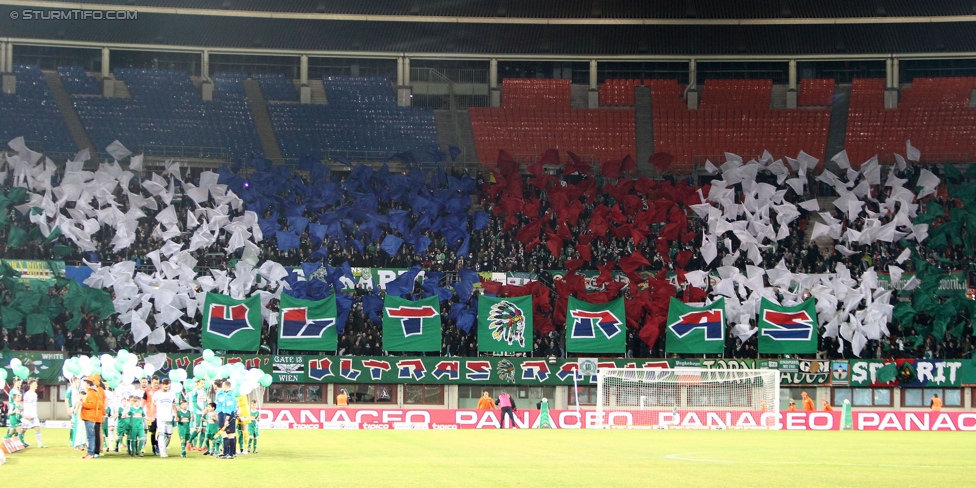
[687,398]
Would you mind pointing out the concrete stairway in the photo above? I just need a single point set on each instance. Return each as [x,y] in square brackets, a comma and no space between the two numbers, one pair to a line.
[578,95]
[777,97]
[67,109]
[318,91]
[456,129]
[262,121]
[644,129]
[121,90]
[837,132]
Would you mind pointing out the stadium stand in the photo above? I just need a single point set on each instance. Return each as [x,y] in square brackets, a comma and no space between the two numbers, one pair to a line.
[166,110]
[734,117]
[934,113]
[229,86]
[362,117]
[536,116]
[32,113]
[77,81]
[815,92]
[275,86]
[618,93]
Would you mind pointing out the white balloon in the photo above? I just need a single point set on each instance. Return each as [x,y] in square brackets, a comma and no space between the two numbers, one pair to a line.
[177,387]
[149,369]
[15,362]
[131,360]
[246,388]
[254,374]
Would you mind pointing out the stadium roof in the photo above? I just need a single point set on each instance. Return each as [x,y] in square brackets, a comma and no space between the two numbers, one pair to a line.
[544,10]
[185,27]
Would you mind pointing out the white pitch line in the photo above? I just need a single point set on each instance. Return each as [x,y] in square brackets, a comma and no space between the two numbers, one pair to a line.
[680,457]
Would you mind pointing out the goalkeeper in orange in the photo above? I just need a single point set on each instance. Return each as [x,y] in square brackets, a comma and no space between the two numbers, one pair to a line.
[486,402]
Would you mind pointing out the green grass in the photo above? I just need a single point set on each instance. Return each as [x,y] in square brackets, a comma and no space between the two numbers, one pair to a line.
[530,458]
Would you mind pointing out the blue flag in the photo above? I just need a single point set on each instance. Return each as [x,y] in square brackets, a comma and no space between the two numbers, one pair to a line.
[391,244]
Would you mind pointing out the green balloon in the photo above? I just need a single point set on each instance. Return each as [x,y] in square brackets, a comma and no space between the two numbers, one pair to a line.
[214,360]
[208,354]
[22,372]
[3,375]
[74,366]
[265,380]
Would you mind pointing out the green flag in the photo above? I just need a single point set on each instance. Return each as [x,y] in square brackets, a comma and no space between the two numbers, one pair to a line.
[305,325]
[595,328]
[412,326]
[39,324]
[505,324]
[696,330]
[787,330]
[16,237]
[231,325]
[11,318]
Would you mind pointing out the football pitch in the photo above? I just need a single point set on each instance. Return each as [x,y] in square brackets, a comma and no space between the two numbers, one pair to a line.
[548,458]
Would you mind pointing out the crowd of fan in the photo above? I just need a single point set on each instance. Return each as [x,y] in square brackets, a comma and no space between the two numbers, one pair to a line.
[499,248]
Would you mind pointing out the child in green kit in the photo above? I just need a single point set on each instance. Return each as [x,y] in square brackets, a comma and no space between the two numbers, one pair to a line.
[137,426]
[252,428]
[183,420]
[13,419]
[122,424]
[210,421]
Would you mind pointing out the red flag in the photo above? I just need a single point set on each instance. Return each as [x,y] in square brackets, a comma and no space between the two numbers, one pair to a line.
[634,261]
[550,156]
[683,257]
[543,324]
[605,273]
[490,286]
[554,244]
[628,164]
[506,164]
[652,329]
[663,250]
[610,169]
[585,252]
[530,231]
[574,264]
[694,294]
[662,161]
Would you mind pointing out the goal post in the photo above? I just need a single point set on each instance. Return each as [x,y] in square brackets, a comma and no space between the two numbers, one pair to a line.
[687,398]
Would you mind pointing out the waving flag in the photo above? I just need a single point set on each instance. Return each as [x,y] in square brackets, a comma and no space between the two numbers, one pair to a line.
[231,325]
[696,330]
[595,328]
[305,325]
[505,324]
[413,326]
[787,330]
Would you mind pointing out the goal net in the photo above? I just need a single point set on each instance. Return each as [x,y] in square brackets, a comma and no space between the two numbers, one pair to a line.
[687,398]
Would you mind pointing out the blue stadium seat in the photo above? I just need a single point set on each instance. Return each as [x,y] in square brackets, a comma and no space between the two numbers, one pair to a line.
[361,116]
[166,110]
[77,81]
[275,86]
[32,113]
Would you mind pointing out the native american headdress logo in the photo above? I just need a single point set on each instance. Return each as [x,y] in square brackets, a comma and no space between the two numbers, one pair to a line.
[506,371]
[507,323]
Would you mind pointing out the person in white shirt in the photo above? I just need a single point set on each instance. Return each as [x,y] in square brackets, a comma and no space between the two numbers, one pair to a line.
[29,418]
[165,402]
